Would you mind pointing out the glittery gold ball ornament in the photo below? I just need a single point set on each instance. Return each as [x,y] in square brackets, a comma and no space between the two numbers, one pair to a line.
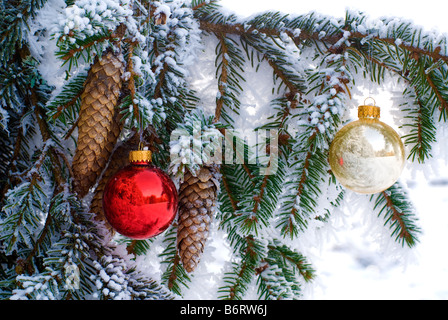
[367,156]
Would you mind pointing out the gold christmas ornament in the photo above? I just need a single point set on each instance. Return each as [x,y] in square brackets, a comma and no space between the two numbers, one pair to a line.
[367,156]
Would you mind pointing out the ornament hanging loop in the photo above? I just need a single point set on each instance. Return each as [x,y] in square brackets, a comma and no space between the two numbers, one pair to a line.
[365,102]
[371,111]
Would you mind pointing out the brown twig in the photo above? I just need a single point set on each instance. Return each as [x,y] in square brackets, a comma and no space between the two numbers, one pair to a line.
[332,40]
[70,132]
[223,78]
[443,103]
[229,193]
[67,105]
[173,275]
[73,52]
[292,88]
[397,216]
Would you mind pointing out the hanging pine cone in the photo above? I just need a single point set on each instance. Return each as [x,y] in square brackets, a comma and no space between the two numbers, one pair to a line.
[197,200]
[99,125]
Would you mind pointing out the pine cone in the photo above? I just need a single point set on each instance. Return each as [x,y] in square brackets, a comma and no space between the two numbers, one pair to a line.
[118,160]
[197,200]
[99,121]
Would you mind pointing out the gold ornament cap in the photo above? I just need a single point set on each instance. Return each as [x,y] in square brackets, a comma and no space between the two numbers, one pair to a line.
[140,156]
[369,111]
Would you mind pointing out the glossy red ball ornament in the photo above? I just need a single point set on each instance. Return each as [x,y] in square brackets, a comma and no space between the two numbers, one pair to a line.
[140,201]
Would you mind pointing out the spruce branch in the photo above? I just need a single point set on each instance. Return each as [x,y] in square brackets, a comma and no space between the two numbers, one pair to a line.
[11,142]
[334,36]
[398,214]
[238,279]
[278,278]
[229,194]
[222,78]
[229,63]
[422,130]
[175,276]
[66,103]
[201,4]
[308,157]
[442,100]
[84,47]
[13,22]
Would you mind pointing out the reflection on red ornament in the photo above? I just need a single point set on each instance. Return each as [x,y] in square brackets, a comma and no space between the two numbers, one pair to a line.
[140,201]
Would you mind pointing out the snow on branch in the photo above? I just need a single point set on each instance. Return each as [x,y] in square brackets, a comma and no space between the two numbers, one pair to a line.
[335,33]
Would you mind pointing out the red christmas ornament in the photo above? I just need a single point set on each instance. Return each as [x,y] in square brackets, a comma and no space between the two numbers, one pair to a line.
[140,201]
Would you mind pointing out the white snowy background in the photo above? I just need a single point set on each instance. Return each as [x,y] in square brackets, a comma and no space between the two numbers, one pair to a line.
[353,254]
[353,259]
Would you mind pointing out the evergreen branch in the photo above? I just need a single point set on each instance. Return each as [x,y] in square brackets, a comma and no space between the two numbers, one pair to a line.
[161,72]
[65,106]
[117,280]
[327,32]
[293,90]
[422,132]
[443,103]
[76,51]
[203,4]
[67,102]
[398,214]
[293,215]
[278,278]
[223,79]
[237,178]
[374,64]
[175,277]
[33,172]
[29,287]
[251,190]
[242,30]
[308,159]
[10,146]
[282,61]
[229,68]
[172,283]
[233,202]
[20,218]
[13,19]
[258,205]
[138,247]
[238,280]
[295,259]
[91,26]
[434,54]
[162,77]
[258,199]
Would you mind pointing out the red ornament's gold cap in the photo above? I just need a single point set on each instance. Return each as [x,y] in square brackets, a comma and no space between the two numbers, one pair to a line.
[140,156]
[369,112]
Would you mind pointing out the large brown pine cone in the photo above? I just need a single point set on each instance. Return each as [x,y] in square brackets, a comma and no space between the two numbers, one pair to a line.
[197,201]
[99,123]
